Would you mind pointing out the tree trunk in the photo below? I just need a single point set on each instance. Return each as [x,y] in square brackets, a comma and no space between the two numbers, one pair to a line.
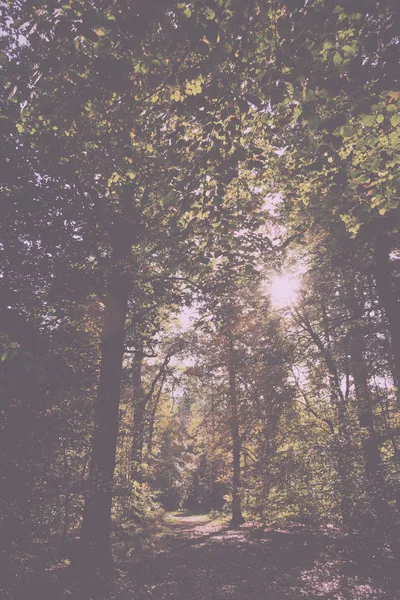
[139,411]
[237,517]
[95,533]
[67,502]
[376,483]
[339,404]
[343,443]
[389,300]
[215,501]
[153,417]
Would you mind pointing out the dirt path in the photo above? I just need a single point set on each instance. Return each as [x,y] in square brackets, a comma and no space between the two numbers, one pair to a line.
[197,559]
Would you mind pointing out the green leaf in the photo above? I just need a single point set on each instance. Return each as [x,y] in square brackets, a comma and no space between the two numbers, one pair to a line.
[368,119]
[349,50]
[395,120]
[380,118]
[346,131]
[337,59]
[4,355]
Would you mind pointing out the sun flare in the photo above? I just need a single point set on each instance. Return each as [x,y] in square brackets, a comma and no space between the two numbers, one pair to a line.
[283,289]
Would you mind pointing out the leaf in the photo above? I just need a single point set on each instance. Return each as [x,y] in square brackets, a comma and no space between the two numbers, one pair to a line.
[101,31]
[77,41]
[393,95]
[346,131]
[382,211]
[337,59]
[226,49]
[20,127]
[349,50]
[395,120]
[4,355]
[367,119]
[296,113]
[380,118]
[210,14]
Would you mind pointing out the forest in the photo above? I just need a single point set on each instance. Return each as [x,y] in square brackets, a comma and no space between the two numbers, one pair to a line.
[200,299]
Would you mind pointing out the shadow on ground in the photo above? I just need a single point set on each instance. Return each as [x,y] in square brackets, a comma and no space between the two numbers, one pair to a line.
[205,561]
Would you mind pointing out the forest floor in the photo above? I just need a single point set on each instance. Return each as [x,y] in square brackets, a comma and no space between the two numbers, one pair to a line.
[197,558]
[186,557]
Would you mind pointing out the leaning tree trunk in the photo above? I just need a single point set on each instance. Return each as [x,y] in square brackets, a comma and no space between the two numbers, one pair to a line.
[95,534]
[237,517]
[389,300]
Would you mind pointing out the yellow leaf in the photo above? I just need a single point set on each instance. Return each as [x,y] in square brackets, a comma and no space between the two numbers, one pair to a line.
[100,31]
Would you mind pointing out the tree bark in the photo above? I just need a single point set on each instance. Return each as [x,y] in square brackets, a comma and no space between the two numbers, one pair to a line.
[153,417]
[237,517]
[377,487]
[95,534]
[139,412]
[389,301]
[343,443]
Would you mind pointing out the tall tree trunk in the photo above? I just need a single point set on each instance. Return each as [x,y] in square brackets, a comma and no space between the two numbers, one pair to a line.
[237,517]
[339,404]
[377,487]
[153,417]
[389,300]
[67,501]
[343,447]
[95,533]
[139,411]
[215,504]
